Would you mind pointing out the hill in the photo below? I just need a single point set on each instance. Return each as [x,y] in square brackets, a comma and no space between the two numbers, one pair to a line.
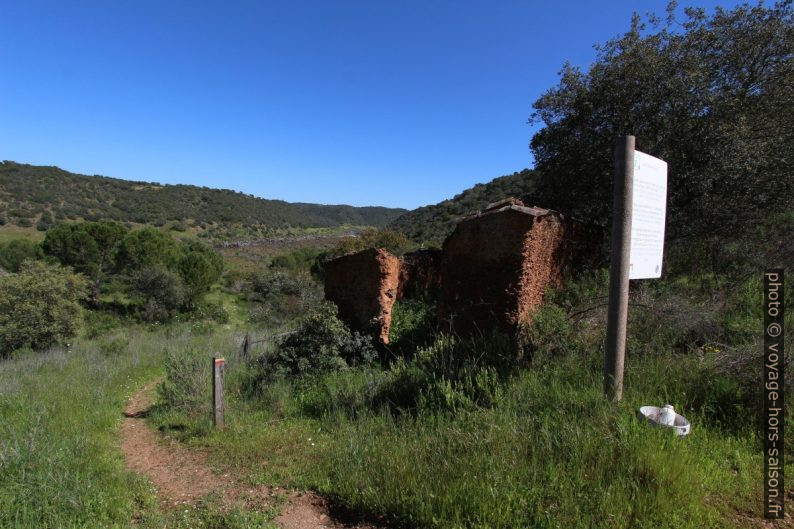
[431,224]
[35,194]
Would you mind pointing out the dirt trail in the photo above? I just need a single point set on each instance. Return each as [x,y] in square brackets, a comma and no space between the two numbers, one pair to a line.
[182,476]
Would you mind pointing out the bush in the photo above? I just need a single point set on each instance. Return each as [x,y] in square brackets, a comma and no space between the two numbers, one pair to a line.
[15,252]
[321,344]
[413,325]
[160,292]
[451,374]
[98,323]
[39,306]
[282,296]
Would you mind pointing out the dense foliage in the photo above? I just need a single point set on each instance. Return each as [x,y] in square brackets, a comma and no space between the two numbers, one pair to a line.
[14,252]
[29,192]
[432,224]
[39,306]
[712,95]
[394,241]
[322,343]
[159,275]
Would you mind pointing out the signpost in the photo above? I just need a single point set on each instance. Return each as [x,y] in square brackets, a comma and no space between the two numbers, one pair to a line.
[218,407]
[638,217]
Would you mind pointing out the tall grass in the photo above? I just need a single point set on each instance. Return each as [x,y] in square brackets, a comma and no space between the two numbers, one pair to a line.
[60,412]
[453,437]
[59,417]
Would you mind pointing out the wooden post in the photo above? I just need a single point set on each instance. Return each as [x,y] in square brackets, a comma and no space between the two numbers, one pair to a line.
[246,345]
[218,407]
[617,315]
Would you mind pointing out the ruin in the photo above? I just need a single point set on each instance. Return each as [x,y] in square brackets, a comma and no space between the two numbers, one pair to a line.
[498,264]
[364,286]
[492,272]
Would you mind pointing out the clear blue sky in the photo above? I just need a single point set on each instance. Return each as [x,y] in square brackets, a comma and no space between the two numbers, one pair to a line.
[367,103]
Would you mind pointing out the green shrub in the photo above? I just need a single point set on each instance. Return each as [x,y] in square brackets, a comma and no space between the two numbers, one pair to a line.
[160,292]
[298,259]
[451,374]
[39,306]
[281,296]
[413,325]
[98,323]
[322,343]
[15,252]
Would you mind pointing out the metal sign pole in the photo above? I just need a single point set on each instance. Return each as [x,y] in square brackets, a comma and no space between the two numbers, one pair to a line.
[615,348]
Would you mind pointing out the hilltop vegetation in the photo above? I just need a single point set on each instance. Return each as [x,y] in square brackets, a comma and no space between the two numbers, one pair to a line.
[431,224]
[43,195]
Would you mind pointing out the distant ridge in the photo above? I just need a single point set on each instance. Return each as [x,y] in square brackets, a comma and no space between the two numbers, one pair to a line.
[31,194]
[432,224]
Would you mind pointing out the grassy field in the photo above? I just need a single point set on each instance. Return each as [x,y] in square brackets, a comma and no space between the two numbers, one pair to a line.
[419,443]
[539,448]
[10,232]
[60,412]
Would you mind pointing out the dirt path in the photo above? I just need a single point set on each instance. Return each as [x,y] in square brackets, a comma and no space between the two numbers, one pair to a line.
[182,476]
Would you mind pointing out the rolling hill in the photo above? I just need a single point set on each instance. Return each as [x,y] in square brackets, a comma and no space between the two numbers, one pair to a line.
[431,224]
[43,195]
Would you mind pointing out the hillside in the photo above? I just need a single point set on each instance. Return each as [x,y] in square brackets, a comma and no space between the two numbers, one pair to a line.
[32,194]
[434,223]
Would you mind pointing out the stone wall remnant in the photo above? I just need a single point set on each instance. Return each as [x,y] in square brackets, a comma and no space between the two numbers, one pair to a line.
[498,264]
[420,273]
[492,272]
[364,286]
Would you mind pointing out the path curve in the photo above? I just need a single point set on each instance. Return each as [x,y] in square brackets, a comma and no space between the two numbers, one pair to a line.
[182,476]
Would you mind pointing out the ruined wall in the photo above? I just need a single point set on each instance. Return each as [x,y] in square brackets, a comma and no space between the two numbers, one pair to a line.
[492,273]
[364,286]
[497,266]
[481,272]
[420,273]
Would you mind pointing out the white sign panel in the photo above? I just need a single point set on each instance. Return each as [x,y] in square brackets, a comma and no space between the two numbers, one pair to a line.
[649,199]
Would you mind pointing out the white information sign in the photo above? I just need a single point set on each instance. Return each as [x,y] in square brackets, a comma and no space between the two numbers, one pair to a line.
[649,199]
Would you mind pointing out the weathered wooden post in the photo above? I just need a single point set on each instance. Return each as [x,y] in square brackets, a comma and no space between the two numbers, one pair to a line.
[246,345]
[637,246]
[218,406]
[617,313]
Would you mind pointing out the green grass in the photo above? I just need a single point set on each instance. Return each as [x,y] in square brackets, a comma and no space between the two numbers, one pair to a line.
[542,448]
[10,232]
[550,453]
[60,460]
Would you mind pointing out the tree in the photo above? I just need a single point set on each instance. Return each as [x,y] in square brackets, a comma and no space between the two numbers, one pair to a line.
[713,96]
[145,248]
[39,306]
[15,252]
[90,247]
[161,293]
[200,267]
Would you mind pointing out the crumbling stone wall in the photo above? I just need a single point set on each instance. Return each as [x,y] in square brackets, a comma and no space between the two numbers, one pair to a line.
[364,286]
[492,273]
[497,265]
[420,273]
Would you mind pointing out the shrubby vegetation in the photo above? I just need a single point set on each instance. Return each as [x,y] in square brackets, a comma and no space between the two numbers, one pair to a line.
[39,306]
[161,276]
[430,225]
[16,251]
[711,95]
[320,344]
[27,192]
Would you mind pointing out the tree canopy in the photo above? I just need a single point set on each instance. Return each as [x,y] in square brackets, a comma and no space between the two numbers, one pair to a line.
[711,95]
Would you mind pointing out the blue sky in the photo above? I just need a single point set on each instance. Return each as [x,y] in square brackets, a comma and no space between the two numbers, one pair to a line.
[367,103]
